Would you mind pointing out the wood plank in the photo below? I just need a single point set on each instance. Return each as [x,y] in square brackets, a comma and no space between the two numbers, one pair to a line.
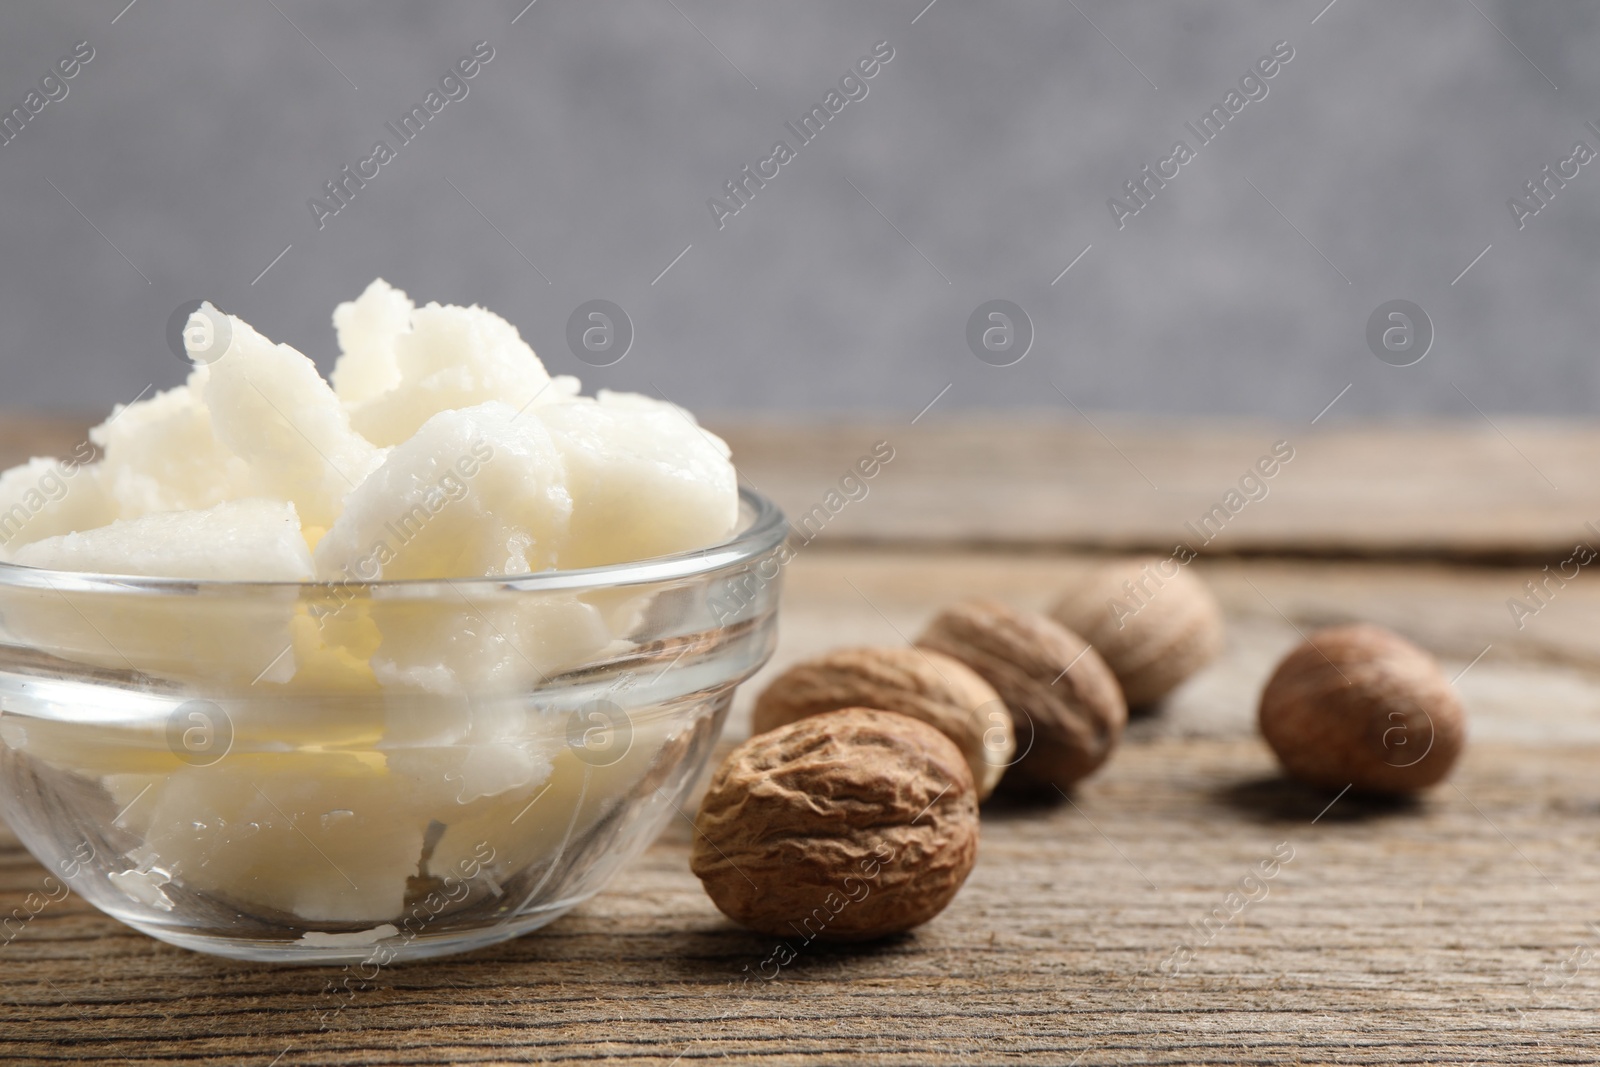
[1456,490]
[23,436]
[1539,683]
[1433,932]
[1451,490]
[1393,936]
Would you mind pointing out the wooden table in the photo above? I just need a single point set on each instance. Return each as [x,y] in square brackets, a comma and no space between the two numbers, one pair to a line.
[1457,929]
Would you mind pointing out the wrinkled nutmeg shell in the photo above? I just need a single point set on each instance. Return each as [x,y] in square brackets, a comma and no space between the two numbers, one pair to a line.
[1153,622]
[1066,707]
[844,826]
[928,686]
[1362,706]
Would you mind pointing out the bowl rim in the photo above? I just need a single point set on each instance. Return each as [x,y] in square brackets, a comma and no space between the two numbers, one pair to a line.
[765,530]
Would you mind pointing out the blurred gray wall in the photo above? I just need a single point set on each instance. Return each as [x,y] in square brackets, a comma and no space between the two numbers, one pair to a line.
[977,167]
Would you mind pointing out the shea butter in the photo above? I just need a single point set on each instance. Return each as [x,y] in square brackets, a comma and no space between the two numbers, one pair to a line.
[344,693]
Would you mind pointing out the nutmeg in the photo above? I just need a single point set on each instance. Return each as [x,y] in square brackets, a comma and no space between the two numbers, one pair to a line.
[842,826]
[1153,622]
[1066,708]
[928,686]
[1364,707]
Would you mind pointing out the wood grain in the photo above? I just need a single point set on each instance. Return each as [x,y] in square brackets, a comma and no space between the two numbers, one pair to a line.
[1537,684]
[23,436]
[1395,935]
[1459,929]
[1464,489]
[1467,489]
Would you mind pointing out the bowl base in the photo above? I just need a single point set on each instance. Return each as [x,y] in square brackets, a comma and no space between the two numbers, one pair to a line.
[358,949]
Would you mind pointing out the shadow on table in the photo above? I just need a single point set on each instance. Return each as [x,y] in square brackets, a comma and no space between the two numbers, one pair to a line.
[1276,799]
[1017,806]
[749,962]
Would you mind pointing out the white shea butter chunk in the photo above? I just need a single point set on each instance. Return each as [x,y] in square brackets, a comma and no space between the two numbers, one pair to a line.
[271,408]
[530,824]
[48,497]
[216,638]
[475,492]
[455,357]
[368,328]
[479,492]
[325,836]
[487,646]
[242,540]
[454,776]
[161,455]
[646,480]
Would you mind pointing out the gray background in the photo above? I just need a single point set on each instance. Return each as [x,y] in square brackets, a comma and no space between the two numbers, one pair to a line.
[992,141]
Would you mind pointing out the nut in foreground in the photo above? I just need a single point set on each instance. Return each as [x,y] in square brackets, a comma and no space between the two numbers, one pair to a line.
[844,826]
[1153,622]
[1066,707]
[926,685]
[1362,706]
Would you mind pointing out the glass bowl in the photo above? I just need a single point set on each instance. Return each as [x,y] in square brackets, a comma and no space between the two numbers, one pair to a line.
[368,772]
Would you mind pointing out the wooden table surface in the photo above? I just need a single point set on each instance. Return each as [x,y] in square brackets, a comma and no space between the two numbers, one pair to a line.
[1461,928]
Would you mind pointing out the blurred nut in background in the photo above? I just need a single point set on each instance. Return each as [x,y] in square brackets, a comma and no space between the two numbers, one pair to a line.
[928,686]
[1154,623]
[1066,708]
[1362,706]
[843,826]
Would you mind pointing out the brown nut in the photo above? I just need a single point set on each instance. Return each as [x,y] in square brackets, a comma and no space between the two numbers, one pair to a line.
[1066,708]
[1154,622]
[940,691]
[1362,706]
[843,826]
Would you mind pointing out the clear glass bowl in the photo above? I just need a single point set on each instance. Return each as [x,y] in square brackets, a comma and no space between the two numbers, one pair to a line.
[368,772]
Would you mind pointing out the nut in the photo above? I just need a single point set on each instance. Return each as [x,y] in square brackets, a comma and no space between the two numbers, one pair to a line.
[1154,622]
[843,826]
[940,691]
[1066,708]
[1361,706]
